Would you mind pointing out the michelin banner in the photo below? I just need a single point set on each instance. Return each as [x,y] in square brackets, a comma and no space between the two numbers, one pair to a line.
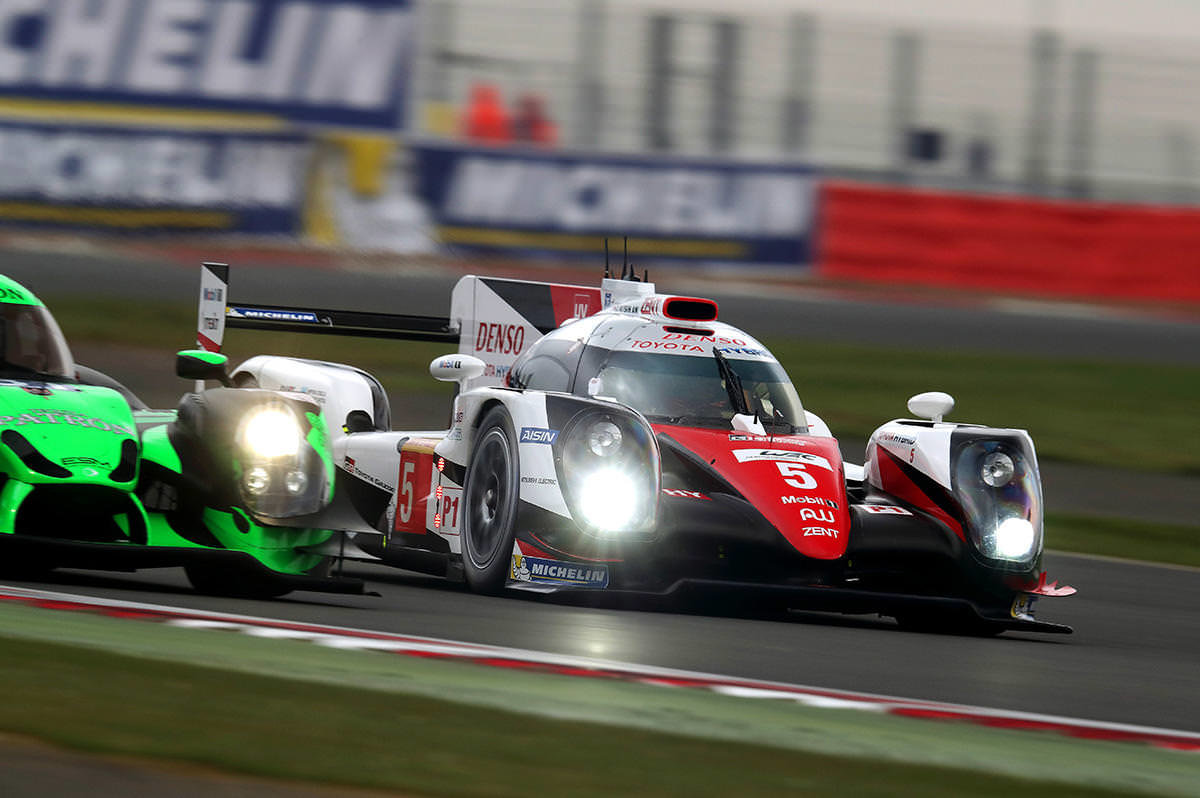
[287,62]
[123,179]
[532,201]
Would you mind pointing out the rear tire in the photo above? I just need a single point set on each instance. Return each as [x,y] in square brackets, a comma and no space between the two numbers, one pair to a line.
[490,498]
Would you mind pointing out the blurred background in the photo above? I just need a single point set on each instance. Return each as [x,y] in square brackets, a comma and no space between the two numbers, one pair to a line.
[1037,147]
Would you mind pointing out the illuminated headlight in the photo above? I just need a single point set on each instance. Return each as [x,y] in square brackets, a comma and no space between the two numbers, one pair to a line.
[604,439]
[997,484]
[271,433]
[608,500]
[609,471]
[1014,539]
[283,461]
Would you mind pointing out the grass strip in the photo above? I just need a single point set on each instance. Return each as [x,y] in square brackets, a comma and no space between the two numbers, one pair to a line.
[294,710]
[1124,537]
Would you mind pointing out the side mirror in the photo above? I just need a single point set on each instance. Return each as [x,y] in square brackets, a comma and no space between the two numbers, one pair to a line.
[196,364]
[456,368]
[933,405]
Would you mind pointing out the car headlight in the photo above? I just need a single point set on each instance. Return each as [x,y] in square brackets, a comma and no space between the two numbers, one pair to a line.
[996,482]
[284,462]
[271,432]
[610,473]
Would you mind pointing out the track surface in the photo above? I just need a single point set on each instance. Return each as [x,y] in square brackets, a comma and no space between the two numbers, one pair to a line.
[1135,656]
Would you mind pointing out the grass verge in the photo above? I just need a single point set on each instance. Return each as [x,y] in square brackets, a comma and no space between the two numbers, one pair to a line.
[1123,537]
[283,709]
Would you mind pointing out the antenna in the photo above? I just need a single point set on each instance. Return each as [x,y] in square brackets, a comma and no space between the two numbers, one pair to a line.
[625,260]
[607,273]
[645,275]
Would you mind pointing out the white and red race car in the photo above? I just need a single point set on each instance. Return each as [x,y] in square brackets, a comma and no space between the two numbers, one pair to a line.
[617,439]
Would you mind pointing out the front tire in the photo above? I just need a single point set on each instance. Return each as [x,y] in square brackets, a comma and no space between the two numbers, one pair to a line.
[490,496]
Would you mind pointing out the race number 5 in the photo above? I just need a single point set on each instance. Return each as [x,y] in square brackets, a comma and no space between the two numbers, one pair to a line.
[405,504]
[789,472]
[412,492]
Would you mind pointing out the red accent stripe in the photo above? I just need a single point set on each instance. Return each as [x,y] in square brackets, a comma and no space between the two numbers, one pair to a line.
[206,343]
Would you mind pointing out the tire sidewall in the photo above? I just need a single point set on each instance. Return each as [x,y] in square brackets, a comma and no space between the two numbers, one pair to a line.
[492,577]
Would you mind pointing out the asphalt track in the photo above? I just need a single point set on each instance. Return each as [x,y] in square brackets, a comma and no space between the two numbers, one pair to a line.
[1135,657]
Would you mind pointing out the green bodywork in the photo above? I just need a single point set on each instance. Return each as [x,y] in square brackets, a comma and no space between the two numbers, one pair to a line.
[80,467]
[81,428]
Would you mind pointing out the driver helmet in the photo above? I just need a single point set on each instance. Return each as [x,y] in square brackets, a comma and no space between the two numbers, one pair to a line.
[31,343]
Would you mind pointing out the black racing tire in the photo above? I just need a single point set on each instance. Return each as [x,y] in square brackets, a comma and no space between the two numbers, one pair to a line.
[233,582]
[491,493]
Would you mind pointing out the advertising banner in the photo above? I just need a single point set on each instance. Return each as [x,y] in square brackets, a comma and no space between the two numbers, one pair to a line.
[132,179]
[562,203]
[287,62]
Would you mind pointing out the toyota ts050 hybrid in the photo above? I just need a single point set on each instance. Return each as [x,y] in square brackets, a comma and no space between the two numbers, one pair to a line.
[617,439]
[92,478]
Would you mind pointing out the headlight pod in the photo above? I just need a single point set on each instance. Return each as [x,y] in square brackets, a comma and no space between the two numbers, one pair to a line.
[610,473]
[280,456]
[998,485]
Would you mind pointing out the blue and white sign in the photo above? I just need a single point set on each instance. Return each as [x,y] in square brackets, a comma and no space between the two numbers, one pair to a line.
[166,179]
[516,199]
[327,62]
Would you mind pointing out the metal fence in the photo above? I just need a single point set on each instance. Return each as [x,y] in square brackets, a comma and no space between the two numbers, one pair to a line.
[1042,112]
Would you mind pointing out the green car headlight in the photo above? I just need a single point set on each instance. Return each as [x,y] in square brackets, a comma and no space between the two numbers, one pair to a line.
[281,474]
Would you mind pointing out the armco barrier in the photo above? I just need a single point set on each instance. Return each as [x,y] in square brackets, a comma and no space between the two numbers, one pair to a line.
[1018,245]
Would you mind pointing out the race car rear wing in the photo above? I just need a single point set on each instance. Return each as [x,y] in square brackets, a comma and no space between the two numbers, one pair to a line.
[218,311]
[490,318]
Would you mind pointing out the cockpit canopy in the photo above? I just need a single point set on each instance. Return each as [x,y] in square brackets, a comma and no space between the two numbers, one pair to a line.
[31,343]
[667,373]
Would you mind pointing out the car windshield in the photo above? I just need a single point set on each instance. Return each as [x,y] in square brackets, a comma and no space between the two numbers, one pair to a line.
[678,389]
[32,344]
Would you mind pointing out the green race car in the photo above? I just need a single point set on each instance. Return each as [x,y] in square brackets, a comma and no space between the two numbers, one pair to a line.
[92,478]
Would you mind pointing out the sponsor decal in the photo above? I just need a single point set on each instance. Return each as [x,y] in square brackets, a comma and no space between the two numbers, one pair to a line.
[808,500]
[581,304]
[316,394]
[39,386]
[1022,607]
[499,372]
[504,339]
[37,389]
[685,494]
[46,415]
[895,437]
[71,462]
[538,435]
[449,363]
[743,350]
[651,306]
[539,481]
[270,314]
[214,294]
[353,468]
[750,438]
[819,531]
[537,570]
[667,346]
[782,455]
[883,509]
[310,61]
[810,514]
